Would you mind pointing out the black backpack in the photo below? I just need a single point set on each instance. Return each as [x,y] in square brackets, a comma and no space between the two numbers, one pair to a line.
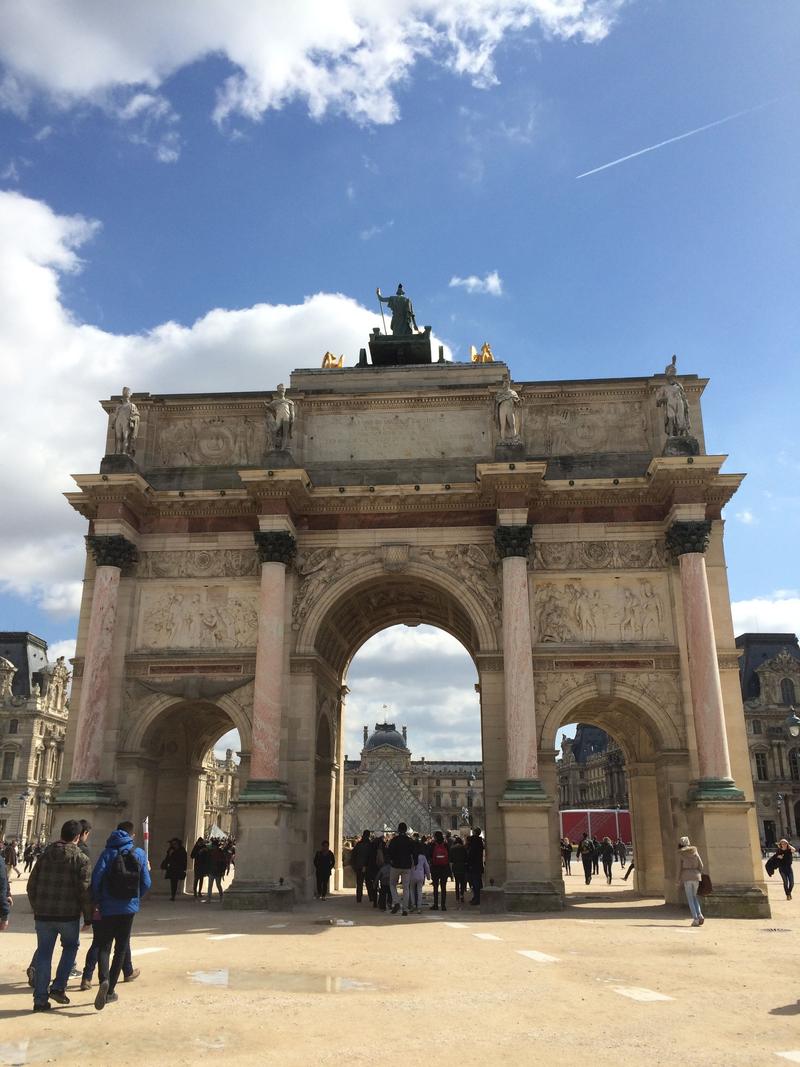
[122,875]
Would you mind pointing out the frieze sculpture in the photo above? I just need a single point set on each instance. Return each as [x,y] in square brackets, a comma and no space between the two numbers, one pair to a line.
[683,537]
[216,441]
[506,402]
[191,619]
[474,565]
[513,540]
[280,420]
[125,422]
[319,568]
[598,555]
[111,551]
[573,613]
[200,563]
[403,323]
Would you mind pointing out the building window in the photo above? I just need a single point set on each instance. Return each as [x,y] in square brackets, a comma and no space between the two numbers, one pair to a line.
[756,726]
[787,692]
[438,800]
[452,781]
[8,765]
[438,782]
[794,766]
[13,726]
[416,781]
[761,767]
[453,822]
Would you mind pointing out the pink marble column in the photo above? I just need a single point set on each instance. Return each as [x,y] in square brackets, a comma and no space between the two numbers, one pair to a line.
[111,554]
[276,551]
[687,541]
[513,543]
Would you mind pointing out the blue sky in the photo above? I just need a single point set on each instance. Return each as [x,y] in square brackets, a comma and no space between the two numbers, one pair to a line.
[160,166]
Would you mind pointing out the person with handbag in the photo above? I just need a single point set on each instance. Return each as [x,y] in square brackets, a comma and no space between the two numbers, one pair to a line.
[689,873]
[782,860]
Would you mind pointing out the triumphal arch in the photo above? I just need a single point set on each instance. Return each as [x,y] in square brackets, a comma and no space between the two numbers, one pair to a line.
[243,546]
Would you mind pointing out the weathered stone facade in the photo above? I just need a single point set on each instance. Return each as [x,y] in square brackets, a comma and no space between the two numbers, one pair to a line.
[591,771]
[770,675]
[253,577]
[34,706]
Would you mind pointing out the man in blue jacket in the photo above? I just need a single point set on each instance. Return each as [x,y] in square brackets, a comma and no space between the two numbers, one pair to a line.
[119,881]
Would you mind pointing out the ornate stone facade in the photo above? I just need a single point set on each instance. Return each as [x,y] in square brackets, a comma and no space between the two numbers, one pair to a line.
[770,678]
[540,543]
[591,771]
[34,706]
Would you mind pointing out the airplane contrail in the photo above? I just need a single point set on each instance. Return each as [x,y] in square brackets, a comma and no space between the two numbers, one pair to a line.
[680,137]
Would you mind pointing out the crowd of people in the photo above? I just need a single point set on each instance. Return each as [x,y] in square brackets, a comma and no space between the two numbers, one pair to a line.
[394,868]
[69,895]
[592,852]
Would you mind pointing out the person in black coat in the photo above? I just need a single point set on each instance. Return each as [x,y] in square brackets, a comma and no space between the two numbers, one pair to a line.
[782,861]
[359,859]
[174,865]
[324,862]
[199,856]
[475,851]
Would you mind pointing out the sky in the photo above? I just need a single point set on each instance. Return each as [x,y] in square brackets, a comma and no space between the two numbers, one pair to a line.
[195,199]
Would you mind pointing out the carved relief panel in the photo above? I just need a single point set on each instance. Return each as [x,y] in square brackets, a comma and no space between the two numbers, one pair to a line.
[200,563]
[198,617]
[577,429]
[599,555]
[575,611]
[221,440]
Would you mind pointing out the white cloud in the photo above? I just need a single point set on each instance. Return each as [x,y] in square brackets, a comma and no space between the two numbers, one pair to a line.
[151,121]
[375,231]
[56,369]
[747,517]
[426,679]
[779,613]
[490,283]
[10,173]
[345,56]
[65,648]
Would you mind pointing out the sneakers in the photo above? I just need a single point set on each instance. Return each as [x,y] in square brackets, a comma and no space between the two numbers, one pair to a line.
[31,973]
[59,996]
[74,973]
[85,984]
[102,996]
[111,998]
[695,922]
[405,912]
[45,1006]
[444,908]
[395,909]
[700,921]
[133,975]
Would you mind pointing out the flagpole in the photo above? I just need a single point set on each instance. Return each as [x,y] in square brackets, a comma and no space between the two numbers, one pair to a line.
[380,305]
[146,836]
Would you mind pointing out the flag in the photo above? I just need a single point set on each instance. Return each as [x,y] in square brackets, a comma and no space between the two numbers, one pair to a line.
[146,836]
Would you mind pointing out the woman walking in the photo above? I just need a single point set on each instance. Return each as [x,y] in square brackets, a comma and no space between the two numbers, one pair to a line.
[566,854]
[689,870]
[607,857]
[440,869]
[458,861]
[783,855]
[419,873]
[174,865]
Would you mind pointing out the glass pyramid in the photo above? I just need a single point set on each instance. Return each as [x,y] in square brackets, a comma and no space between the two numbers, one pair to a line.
[382,802]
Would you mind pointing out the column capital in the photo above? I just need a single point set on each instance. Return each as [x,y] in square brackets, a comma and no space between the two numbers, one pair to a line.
[513,540]
[684,537]
[275,546]
[112,550]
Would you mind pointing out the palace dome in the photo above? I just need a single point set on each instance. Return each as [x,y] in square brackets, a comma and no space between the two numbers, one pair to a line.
[385,734]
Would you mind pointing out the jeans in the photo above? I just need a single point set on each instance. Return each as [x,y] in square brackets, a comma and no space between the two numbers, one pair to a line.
[587,862]
[47,933]
[401,874]
[439,879]
[607,865]
[787,877]
[94,951]
[691,896]
[460,879]
[416,891]
[116,930]
[214,879]
[323,884]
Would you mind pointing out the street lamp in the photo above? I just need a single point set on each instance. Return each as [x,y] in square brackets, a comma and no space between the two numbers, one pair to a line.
[792,723]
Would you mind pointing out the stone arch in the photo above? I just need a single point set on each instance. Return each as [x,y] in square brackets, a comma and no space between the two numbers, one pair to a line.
[656,764]
[421,592]
[150,712]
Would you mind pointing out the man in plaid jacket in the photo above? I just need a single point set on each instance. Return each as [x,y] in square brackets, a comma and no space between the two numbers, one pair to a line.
[58,889]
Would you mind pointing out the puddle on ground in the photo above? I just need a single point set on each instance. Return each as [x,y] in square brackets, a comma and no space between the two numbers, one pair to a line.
[280,982]
[334,922]
[37,1050]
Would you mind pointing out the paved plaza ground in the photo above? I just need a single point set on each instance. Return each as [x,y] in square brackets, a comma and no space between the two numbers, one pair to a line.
[610,980]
